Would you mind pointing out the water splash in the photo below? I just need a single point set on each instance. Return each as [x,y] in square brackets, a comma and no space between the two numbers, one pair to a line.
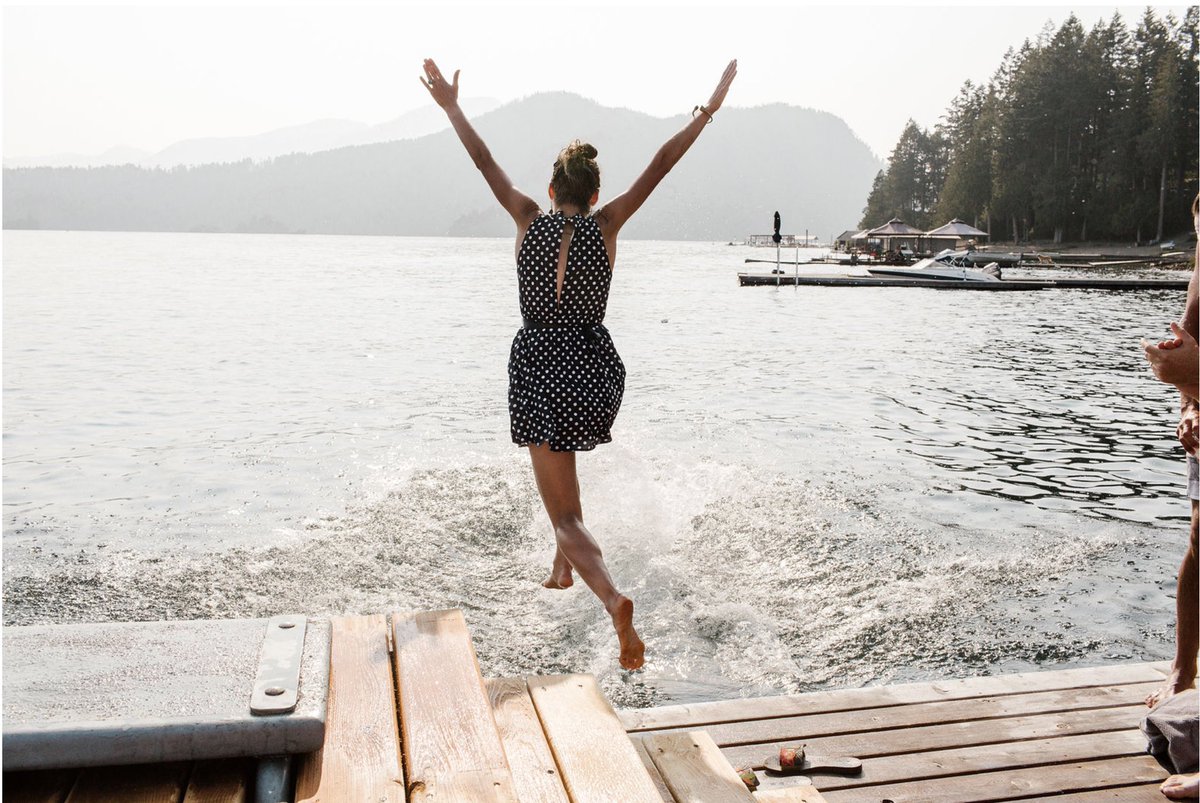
[745,582]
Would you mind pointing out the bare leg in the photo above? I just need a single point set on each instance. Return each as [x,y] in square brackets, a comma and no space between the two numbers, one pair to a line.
[559,486]
[1187,628]
[1182,787]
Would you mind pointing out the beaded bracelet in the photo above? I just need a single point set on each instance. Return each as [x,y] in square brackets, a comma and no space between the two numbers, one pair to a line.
[706,114]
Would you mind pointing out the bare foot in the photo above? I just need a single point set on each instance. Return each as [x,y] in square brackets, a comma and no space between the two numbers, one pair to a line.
[1175,684]
[561,575]
[559,579]
[633,651]
[1182,787]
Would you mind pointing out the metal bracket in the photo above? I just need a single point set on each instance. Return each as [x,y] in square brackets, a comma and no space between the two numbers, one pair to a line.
[278,681]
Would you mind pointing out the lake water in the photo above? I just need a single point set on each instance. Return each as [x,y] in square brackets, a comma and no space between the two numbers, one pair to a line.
[808,487]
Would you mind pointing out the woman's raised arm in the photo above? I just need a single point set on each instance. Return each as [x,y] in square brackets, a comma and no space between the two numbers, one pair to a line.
[614,214]
[445,94]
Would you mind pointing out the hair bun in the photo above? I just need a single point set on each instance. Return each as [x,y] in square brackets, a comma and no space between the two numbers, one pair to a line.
[576,176]
[577,154]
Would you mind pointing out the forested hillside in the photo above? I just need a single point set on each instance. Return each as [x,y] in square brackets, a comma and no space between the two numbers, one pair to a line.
[1078,135]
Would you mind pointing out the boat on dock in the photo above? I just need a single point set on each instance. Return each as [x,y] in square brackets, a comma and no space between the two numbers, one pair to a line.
[403,714]
[939,269]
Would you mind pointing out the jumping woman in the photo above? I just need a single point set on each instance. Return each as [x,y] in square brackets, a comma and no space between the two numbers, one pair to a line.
[565,378]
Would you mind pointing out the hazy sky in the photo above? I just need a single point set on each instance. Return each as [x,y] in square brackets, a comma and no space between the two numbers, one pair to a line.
[83,79]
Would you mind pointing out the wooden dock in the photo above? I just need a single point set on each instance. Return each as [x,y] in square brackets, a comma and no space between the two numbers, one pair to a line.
[411,719]
[761,279]
[1068,735]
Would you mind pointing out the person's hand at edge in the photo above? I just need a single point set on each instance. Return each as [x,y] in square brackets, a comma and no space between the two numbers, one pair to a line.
[1188,430]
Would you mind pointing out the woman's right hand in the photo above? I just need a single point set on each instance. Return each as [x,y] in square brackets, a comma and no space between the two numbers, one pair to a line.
[718,95]
[444,94]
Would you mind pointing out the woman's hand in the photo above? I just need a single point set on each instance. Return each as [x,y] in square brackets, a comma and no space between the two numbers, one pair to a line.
[444,94]
[718,95]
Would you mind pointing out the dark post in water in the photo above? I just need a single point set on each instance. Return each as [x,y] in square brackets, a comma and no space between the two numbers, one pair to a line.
[777,238]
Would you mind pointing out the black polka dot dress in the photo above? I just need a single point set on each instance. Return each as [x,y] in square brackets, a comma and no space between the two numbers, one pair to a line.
[565,379]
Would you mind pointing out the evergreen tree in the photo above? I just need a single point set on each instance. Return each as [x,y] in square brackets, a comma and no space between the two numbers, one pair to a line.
[909,186]
[1077,134]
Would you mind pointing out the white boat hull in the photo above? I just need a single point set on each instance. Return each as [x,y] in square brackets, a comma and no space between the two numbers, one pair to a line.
[933,269]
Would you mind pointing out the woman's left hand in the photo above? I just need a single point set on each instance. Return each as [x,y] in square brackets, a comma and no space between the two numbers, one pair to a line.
[444,94]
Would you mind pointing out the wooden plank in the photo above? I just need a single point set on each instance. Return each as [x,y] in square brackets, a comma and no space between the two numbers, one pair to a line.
[790,794]
[972,760]
[916,739]
[652,770]
[38,786]
[452,749]
[226,781]
[696,714]
[361,756]
[1019,784]
[139,783]
[694,769]
[598,762]
[534,774]
[1145,793]
[907,716]
[466,786]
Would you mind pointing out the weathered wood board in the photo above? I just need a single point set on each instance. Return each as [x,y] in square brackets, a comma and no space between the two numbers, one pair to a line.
[655,776]
[915,739]
[918,714]
[361,756]
[790,794]
[534,773]
[452,749]
[222,781]
[598,762]
[139,783]
[694,770]
[1012,784]
[703,714]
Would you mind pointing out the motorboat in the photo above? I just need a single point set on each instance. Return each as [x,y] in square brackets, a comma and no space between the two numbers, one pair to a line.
[939,267]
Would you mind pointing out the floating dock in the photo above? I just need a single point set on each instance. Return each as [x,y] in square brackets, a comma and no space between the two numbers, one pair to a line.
[409,718]
[758,279]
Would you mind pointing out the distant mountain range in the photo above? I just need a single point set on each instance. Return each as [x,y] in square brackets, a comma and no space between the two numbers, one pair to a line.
[319,135]
[807,164]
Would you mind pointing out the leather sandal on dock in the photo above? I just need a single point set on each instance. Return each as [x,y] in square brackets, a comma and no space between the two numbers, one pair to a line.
[794,761]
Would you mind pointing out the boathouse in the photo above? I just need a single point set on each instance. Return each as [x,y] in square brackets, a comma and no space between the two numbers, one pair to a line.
[954,235]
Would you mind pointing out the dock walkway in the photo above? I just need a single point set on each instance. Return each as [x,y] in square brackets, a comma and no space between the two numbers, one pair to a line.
[410,719]
[767,279]
[1069,735]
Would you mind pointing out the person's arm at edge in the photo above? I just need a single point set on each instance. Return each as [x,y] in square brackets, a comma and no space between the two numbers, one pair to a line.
[616,212]
[520,206]
[1190,323]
